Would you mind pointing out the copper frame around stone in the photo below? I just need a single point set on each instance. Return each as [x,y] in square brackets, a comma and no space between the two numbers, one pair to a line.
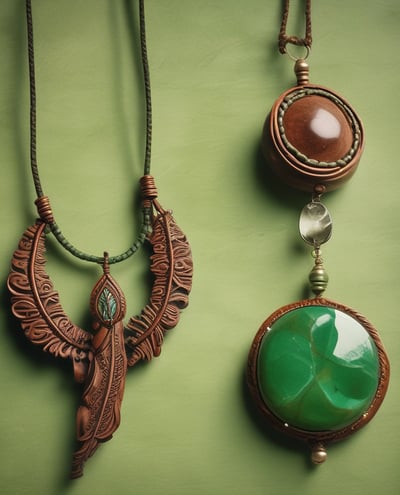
[290,164]
[317,437]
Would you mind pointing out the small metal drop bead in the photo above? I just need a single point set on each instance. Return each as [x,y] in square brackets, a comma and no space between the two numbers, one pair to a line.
[318,454]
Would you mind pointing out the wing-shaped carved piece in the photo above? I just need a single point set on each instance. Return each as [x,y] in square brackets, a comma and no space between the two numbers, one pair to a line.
[172,267]
[36,304]
[99,413]
[101,360]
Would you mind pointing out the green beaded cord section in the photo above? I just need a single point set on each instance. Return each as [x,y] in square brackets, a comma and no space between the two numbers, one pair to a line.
[318,369]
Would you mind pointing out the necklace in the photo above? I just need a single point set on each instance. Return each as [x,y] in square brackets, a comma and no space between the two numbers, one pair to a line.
[317,369]
[100,359]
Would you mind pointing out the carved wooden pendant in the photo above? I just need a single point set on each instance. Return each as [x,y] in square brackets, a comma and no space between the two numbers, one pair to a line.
[100,360]
[98,415]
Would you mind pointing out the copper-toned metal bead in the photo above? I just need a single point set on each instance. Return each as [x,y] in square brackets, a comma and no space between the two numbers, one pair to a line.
[44,209]
[319,189]
[148,187]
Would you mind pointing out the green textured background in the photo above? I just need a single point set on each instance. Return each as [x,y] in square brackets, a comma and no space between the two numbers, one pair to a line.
[186,426]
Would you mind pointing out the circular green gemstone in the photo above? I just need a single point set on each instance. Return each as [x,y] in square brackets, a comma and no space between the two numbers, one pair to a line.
[318,368]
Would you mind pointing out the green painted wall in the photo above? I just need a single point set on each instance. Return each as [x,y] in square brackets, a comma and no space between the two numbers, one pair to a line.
[186,428]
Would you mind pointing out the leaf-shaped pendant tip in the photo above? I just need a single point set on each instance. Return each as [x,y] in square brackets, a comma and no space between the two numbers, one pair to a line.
[107,301]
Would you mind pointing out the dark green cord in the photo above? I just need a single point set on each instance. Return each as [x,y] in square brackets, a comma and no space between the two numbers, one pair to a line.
[146,211]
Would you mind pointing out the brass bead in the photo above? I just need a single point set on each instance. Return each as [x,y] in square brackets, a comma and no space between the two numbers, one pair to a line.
[301,70]
[318,279]
[318,454]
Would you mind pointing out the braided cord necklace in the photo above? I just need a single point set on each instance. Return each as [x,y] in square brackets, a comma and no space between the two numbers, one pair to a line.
[285,39]
[148,189]
[100,358]
[317,369]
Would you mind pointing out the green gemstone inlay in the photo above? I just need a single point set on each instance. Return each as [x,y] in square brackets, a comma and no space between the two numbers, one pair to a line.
[107,305]
[318,368]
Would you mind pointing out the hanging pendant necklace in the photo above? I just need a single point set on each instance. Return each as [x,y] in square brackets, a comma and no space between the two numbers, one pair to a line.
[100,359]
[317,369]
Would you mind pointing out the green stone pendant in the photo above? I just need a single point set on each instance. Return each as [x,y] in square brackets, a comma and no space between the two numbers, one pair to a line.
[318,371]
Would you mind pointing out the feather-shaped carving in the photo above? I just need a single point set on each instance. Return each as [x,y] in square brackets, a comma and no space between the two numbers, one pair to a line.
[99,413]
[101,360]
[172,267]
[36,304]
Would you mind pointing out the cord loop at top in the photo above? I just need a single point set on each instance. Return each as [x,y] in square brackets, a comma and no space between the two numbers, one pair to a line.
[285,39]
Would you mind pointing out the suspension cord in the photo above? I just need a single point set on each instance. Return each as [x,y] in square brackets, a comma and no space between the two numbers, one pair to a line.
[147,181]
[284,39]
